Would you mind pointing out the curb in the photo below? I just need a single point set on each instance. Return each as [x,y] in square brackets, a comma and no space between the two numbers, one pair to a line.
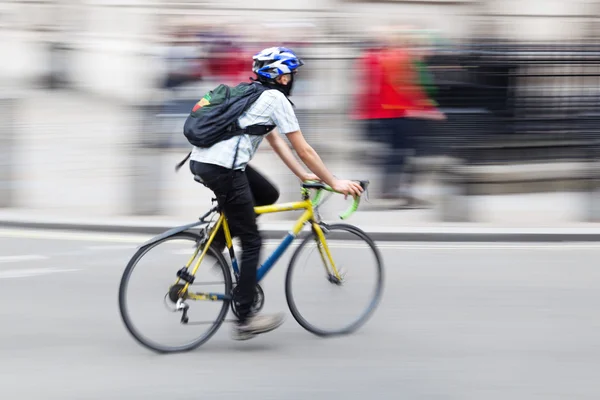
[456,234]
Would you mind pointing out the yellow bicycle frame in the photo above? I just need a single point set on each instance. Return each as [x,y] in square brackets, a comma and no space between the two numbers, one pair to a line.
[307,216]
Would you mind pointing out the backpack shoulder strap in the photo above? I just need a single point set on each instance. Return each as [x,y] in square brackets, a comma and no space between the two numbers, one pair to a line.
[257,130]
[180,164]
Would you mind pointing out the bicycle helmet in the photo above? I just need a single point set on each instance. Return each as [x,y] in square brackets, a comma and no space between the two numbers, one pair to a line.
[273,62]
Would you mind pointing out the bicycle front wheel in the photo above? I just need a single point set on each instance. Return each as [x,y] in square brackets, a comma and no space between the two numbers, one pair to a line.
[327,305]
[148,298]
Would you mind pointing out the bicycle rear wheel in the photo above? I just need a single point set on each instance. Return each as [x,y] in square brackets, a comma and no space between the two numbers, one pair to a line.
[152,295]
[316,297]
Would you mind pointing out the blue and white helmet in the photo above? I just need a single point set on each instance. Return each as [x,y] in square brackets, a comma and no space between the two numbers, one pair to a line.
[275,61]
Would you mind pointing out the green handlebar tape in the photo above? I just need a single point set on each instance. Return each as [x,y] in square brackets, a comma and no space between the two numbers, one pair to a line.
[346,214]
[353,207]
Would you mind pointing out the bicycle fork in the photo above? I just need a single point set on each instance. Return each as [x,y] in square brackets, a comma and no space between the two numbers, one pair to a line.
[333,275]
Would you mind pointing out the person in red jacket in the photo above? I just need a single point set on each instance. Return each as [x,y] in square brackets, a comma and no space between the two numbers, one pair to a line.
[391,102]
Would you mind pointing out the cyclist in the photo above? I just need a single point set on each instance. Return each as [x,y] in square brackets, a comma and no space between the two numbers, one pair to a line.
[239,190]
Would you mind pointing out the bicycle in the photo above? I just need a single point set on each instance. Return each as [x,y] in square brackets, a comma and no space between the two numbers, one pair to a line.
[179,294]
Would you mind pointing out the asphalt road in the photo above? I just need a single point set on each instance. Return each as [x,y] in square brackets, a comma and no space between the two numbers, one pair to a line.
[458,321]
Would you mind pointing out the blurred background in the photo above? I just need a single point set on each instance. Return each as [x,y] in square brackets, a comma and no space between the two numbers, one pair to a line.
[467,116]
[497,120]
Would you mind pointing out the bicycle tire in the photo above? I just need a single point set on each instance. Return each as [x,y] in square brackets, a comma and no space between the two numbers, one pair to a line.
[374,301]
[123,302]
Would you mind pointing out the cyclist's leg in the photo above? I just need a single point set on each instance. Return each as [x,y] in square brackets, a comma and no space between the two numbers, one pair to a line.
[239,210]
[235,197]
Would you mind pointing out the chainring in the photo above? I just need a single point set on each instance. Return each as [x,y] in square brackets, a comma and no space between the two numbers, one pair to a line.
[257,305]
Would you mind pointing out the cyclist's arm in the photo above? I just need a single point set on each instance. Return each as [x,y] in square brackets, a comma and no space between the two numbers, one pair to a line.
[284,118]
[283,151]
[310,158]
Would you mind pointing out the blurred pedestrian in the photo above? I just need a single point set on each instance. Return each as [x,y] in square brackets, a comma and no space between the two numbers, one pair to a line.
[391,101]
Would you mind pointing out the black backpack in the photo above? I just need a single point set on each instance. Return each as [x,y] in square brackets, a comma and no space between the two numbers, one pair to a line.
[214,118]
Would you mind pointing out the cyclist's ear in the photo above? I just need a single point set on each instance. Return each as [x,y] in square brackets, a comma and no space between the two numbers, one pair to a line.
[284,79]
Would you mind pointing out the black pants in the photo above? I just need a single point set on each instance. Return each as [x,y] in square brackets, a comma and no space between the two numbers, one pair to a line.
[400,136]
[238,192]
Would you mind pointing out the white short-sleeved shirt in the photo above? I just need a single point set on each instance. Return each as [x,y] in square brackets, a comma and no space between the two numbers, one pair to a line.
[271,108]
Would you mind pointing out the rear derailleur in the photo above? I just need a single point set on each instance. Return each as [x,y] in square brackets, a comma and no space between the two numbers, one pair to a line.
[178,298]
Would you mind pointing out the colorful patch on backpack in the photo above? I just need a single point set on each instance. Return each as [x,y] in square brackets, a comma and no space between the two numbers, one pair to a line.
[203,102]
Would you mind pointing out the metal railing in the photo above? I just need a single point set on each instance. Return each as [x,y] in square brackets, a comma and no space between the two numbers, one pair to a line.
[528,102]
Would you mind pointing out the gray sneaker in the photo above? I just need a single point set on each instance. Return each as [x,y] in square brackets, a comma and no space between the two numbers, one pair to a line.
[256,325]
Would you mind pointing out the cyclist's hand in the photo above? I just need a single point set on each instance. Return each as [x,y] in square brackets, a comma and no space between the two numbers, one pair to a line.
[347,188]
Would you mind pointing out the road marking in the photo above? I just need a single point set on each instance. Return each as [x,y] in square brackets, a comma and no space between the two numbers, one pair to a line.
[27,273]
[449,246]
[26,257]
[472,246]
[113,247]
[75,236]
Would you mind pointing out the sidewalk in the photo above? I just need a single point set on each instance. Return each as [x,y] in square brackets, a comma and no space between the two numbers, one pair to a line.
[547,217]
